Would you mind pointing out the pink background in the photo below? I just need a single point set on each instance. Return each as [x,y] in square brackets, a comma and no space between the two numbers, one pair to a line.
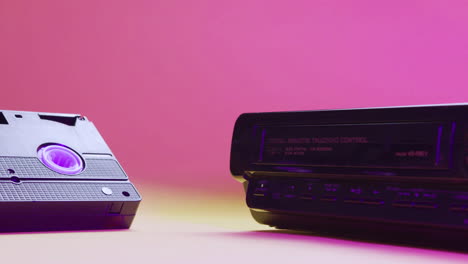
[165,80]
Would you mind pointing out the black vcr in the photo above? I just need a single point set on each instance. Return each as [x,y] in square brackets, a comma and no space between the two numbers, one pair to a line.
[399,170]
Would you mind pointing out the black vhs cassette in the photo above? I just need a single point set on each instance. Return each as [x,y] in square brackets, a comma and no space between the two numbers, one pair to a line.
[57,173]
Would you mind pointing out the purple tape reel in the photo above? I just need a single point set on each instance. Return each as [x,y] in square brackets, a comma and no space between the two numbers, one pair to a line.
[61,159]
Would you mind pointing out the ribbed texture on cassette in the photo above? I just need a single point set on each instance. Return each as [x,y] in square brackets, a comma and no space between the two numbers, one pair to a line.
[33,168]
[64,191]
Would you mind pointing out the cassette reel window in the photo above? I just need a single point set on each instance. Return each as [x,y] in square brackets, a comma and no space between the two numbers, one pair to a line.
[61,159]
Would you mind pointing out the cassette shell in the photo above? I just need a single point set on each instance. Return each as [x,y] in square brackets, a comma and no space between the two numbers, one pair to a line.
[57,173]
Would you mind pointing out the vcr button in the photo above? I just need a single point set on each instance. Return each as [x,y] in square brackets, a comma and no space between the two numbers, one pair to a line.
[261,188]
[290,191]
[310,191]
[331,188]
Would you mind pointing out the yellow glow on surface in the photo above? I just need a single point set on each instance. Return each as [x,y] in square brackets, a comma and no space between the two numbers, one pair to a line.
[216,210]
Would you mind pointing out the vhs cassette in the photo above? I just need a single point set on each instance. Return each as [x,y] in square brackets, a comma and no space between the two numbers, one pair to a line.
[57,173]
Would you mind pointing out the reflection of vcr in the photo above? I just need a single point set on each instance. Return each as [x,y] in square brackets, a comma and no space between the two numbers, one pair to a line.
[396,168]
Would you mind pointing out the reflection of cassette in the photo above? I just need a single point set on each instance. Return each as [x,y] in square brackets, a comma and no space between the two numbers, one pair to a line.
[57,173]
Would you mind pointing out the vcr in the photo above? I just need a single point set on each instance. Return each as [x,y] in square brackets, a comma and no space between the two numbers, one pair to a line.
[402,171]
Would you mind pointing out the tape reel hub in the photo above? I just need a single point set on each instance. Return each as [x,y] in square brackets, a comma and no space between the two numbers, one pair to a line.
[61,159]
